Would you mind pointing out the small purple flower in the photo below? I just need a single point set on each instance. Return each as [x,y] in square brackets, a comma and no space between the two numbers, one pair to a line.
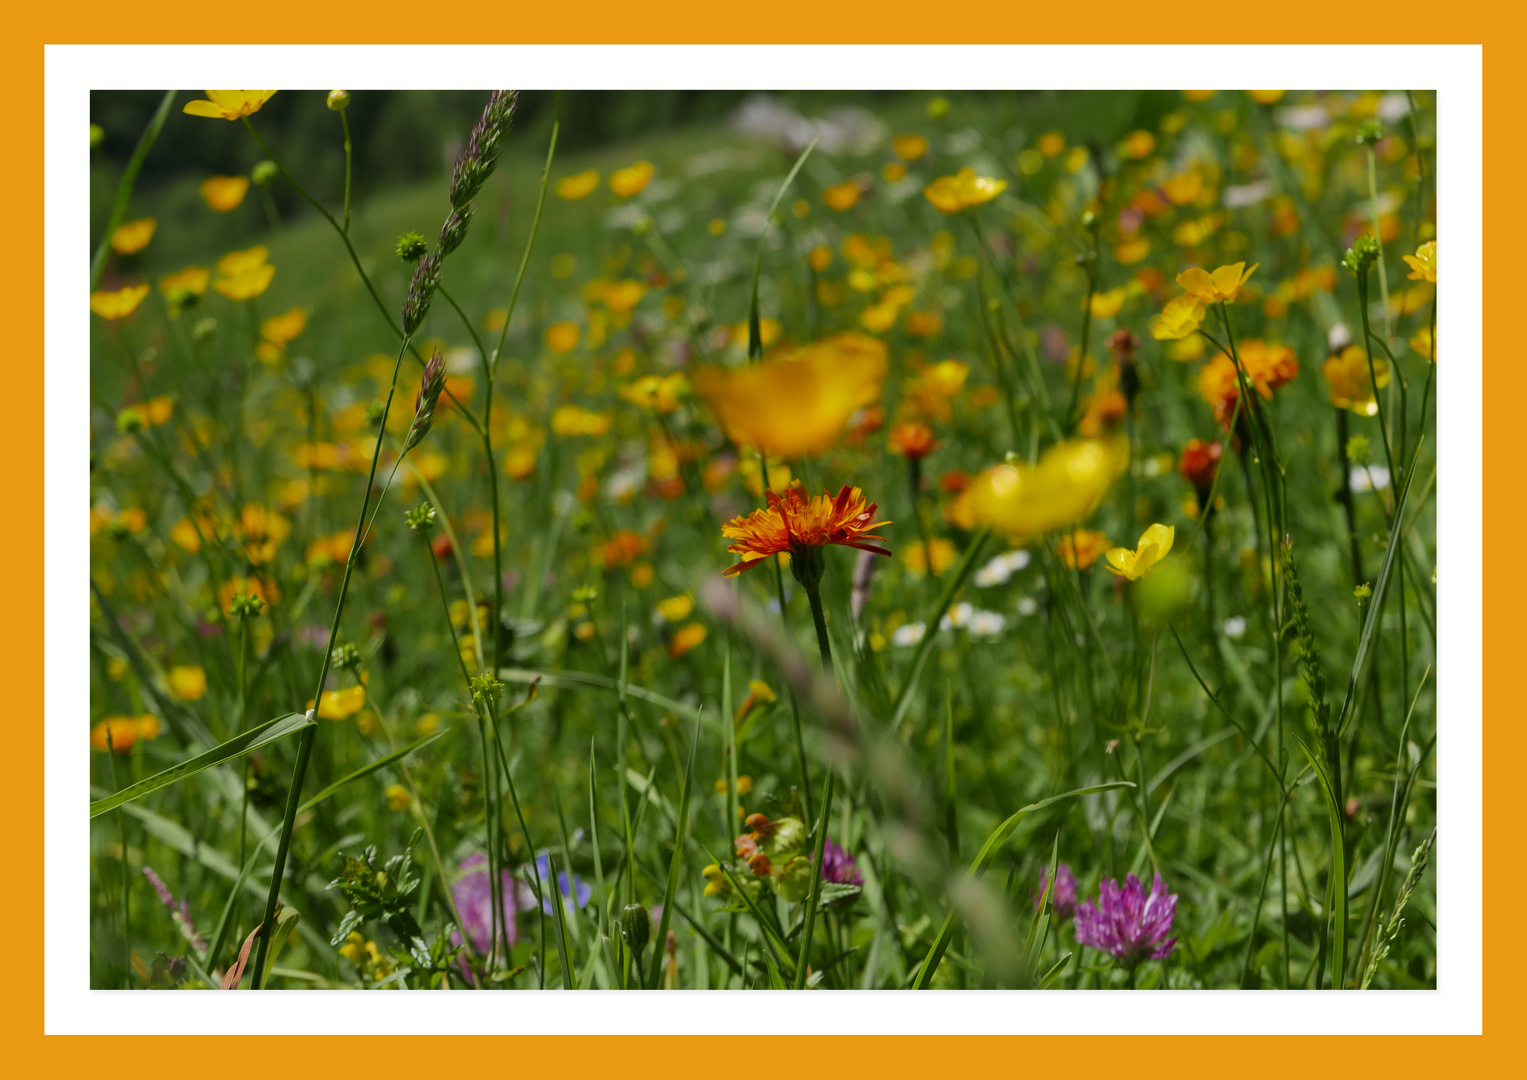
[838,865]
[1063,899]
[474,902]
[1126,923]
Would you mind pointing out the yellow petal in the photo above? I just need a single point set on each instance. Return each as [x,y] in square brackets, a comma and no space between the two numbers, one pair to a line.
[1199,283]
[1119,560]
[1227,280]
[200,107]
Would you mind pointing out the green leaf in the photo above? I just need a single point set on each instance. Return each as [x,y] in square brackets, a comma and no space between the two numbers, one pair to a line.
[253,739]
[833,890]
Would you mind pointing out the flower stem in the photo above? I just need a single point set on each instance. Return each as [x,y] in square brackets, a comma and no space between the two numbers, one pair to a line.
[345,123]
[305,744]
[814,594]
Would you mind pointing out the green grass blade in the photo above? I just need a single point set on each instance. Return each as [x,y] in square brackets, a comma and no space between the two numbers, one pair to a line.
[674,864]
[1338,868]
[125,188]
[239,745]
[755,336]
[925,646]
[816,883]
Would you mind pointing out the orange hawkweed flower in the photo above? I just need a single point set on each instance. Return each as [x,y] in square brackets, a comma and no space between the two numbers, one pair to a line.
[1200,461]
[797,524]
[1080,549]
[912,439]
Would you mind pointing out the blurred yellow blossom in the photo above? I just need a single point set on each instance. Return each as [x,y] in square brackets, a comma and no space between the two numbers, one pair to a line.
[951,194]
[133,236]
[285,327]
[224,193]
[1069,481]
[188,682]
[118,305]
[795,405]
[844,196]
[686,639]
[244,275]
[631,180]
[563,337]
[1350,382]
[578,185]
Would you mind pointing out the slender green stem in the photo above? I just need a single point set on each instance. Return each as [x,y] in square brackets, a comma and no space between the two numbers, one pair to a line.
[127,948]
[305,744]
[125,186]
[344,122]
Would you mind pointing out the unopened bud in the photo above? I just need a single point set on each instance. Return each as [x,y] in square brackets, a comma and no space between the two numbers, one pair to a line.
[421,517]
[130,419]
[411,247]
[635,928]
[1361,256]
[97,135]
[263,172]
[338,99]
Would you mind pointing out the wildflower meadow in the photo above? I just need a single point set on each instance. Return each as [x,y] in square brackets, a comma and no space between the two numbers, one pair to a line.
[801,541]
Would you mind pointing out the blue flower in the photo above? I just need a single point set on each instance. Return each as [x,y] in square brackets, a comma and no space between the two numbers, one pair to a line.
[575,892]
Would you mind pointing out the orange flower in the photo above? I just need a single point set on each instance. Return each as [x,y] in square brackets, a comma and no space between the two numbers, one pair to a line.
[909,147]
[243,275]
[622,549]
[912,439]
[578,186]
[1267,367]
[797,524]
[224,193]
[1200,461]
[686,639]
[1080,549]
[285,327]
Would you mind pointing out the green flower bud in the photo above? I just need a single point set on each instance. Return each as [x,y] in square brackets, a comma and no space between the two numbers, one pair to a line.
[245,606]
[1363,591]
[346,657]
[635,928]
[131,419]
[203,330]
[374,411]
[1359,450]
[485,687]
[263,172]
[1361,256]
[338,99]
[788,837]
[1371,132]
[411,247]
[97,136]
[421,517]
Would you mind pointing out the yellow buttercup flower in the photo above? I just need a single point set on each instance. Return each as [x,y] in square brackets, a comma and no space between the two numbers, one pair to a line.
[133,236]
[398,797]
[797,405]
[1182,316]
[1154,544]
[243,275]
[188,682]
[1423,264]
[118,305]
[1222,286]
[1105,305]
[658,393]
[578,185]
[676,608]
[285,327]
[563,337]
[951,194]
[229,104]
[686,639]
[1067,484]
[842,196]
[631,180]
[622,296]
[1352,386]
[224,193]
[338,704]
[1266,97]
[909,147]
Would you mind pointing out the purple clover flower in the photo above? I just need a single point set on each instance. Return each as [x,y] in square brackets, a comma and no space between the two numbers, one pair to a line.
[838,865]
[1126,923]
[1063,899]
[473,893]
